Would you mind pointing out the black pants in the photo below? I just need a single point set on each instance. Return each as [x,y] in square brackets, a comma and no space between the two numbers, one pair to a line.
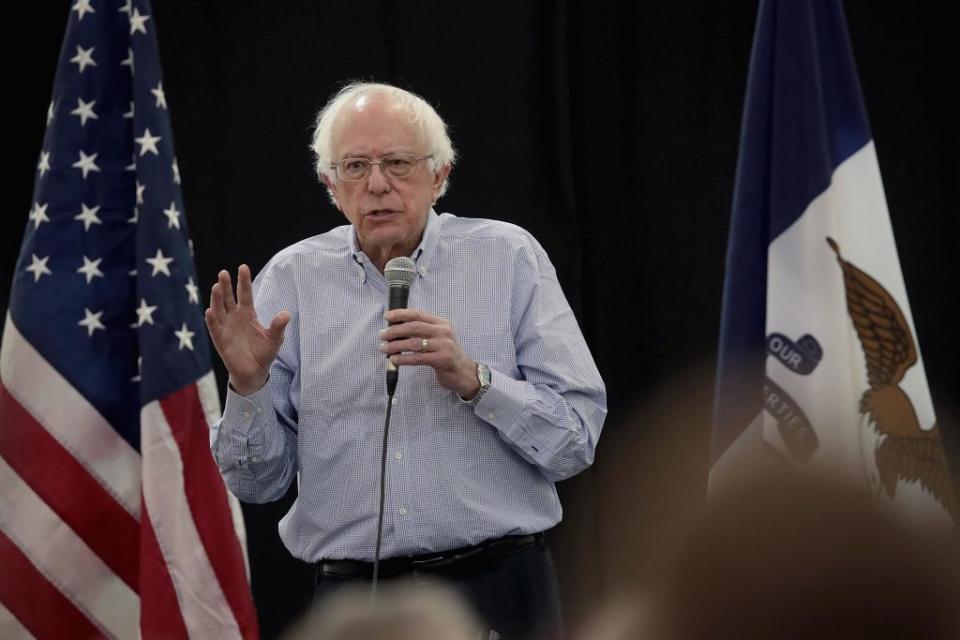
[516,597]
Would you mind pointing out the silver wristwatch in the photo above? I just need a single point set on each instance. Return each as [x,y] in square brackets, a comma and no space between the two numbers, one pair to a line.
[483,375]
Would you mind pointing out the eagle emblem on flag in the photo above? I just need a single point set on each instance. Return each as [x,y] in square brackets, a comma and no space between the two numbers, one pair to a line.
[906,451]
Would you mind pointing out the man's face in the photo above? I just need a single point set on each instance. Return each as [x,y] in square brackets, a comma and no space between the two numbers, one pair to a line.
[388,213]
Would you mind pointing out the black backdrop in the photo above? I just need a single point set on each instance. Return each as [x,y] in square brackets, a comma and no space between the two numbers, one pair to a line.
[608,129]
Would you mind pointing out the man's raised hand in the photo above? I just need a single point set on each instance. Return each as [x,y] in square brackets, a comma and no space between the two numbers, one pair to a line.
[245,346]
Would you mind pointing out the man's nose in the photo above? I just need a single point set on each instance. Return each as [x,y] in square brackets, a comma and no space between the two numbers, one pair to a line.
[377,181]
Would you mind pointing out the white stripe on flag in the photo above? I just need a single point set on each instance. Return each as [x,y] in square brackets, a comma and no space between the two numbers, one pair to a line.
[236,514]
[64,559]
[210,400]
[209,397]
[206,612]
[10,627]
[70,418]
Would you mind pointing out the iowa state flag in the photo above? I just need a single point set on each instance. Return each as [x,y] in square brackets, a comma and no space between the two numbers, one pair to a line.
[114,520]
[819,363]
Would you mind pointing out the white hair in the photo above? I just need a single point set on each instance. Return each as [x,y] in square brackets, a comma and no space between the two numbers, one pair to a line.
[421,114]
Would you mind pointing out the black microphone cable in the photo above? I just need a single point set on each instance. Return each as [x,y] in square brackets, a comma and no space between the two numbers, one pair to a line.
[383,484]
[400,274]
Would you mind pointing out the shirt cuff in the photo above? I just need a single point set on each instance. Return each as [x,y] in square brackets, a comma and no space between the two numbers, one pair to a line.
[503,407]
[240,437]
[240,411]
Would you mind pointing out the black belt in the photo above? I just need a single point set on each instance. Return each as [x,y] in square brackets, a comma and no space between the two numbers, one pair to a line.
[454,562]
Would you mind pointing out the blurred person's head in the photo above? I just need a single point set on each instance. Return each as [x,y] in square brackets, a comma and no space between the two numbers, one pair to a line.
[797,557]
[401,611]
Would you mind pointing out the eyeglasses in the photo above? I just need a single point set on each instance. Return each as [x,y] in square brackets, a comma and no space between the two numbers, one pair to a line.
[398,165]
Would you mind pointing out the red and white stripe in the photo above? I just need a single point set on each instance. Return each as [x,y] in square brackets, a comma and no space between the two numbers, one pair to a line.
[76,560]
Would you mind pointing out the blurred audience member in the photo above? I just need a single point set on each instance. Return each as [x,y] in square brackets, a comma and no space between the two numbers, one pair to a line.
[798,557]
[402,611]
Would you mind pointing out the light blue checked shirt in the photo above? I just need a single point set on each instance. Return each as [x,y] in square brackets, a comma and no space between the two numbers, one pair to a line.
[457,473]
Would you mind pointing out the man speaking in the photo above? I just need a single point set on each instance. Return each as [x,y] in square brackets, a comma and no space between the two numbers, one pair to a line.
[498,396]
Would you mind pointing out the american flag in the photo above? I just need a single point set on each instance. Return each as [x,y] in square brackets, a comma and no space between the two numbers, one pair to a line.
[114,520]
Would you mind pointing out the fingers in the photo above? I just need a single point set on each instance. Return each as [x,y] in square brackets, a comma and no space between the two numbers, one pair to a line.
[214,327]
[210,317]
[277,326]
[222,300]
[444,357]
[411,315]
[415,345]
[417,329]
[216,311]
[404,342]
[244,287]
[434,359]
[226,290]
[419,338]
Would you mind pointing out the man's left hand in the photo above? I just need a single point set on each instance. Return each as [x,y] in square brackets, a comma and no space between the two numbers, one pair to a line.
[418,338]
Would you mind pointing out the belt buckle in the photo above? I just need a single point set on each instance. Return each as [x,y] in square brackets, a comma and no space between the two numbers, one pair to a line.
[442,561]
[425,563]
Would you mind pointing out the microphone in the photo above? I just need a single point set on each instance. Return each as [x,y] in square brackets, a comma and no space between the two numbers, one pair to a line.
[400,274]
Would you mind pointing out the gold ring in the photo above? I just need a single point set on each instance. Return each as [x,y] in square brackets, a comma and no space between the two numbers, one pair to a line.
[423,344]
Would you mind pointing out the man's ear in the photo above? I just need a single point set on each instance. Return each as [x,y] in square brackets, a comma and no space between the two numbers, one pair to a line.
[438,179]
[333,189]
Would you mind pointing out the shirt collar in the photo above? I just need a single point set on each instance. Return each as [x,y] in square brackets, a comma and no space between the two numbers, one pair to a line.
[422,255]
